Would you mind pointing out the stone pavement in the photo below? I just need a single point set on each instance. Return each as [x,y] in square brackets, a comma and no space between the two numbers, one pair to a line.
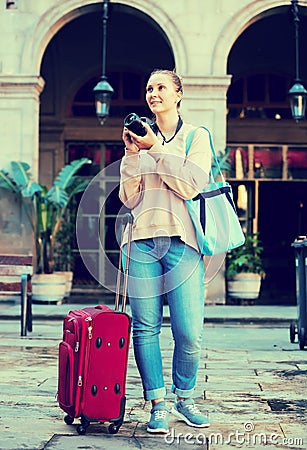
[214,313]
[252,383]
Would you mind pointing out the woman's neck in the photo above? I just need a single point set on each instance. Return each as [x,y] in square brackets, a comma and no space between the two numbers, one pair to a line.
[168,123]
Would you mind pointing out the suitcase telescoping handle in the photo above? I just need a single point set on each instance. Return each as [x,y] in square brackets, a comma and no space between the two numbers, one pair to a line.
[126,219]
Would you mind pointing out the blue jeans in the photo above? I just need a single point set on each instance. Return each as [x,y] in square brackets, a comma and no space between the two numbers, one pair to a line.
[159,266]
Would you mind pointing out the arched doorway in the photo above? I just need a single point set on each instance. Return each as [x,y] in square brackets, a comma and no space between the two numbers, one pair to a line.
[272,146]
[71,67]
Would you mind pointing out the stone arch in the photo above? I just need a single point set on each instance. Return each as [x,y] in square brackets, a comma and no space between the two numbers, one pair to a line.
[57,16]
[247,15]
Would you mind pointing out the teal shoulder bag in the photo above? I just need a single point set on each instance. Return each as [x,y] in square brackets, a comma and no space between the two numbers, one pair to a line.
[213,212]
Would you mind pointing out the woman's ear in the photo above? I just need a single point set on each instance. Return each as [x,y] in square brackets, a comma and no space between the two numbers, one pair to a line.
[179,96]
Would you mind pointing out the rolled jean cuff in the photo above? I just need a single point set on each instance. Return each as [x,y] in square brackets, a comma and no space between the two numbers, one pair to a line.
[183,393]
[155,393]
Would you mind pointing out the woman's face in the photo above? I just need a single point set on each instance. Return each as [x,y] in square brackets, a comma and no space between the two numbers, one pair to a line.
[161,93]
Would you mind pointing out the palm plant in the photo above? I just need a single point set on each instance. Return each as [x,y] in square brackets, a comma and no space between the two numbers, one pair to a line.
[44,208]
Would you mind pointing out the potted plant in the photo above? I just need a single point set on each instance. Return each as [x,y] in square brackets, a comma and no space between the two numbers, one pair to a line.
[223,158]
[244,269]
[213,281]
[45,210]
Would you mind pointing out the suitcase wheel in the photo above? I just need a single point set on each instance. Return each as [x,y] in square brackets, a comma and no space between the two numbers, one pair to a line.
[292,332]
[81,429]
[114,428]
[302,338]
[68,420]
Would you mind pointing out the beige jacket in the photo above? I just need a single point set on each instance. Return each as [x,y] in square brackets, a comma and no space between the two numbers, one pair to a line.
[155,184]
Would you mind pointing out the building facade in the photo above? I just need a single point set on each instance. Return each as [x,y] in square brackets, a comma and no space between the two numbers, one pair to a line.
[236,58]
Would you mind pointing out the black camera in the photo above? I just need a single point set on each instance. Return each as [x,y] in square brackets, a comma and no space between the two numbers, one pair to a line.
[134,123]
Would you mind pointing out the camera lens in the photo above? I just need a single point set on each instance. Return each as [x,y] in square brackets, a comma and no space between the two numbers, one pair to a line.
[130,119]
[134,124]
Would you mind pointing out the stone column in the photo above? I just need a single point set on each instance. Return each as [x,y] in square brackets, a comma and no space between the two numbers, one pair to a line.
[204,103]
[19,141]
[19,118]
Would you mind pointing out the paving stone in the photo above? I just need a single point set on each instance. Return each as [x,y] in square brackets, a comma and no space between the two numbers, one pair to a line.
[282,405]
[272,373]
[231,386]
[216,373]
[21,434]
[232,379]
[274,386]
[285,395]
[243,356]
[32,344]
[18,411]
[268,365]
[227,365]
[220,396]
[237,408]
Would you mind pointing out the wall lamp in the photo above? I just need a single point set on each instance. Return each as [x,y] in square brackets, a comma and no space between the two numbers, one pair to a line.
[103,90]
[297,93]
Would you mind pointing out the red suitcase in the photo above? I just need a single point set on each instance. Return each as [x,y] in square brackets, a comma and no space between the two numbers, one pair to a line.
[93,358]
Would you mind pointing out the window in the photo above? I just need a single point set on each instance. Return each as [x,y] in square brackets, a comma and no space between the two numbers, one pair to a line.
[262,96]
[297,162]
[265,162]
[98,213]
[129,96]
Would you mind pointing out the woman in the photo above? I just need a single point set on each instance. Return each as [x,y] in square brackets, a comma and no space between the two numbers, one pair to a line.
[156,179]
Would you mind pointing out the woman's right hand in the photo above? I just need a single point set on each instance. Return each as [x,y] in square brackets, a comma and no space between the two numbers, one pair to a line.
[128,140]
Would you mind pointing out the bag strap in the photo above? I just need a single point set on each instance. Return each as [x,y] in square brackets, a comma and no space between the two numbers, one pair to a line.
[188,145]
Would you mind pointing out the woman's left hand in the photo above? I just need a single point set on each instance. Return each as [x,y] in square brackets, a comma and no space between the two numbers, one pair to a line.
[147,141]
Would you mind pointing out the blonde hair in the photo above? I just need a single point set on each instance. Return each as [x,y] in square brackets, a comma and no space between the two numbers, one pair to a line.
[176,79]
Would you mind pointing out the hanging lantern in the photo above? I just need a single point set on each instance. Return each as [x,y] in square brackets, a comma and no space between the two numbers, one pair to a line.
[297,93]
[103,90]
[298,98]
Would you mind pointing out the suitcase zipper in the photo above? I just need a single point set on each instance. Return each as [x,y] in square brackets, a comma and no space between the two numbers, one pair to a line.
[76,333]
[90,328]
